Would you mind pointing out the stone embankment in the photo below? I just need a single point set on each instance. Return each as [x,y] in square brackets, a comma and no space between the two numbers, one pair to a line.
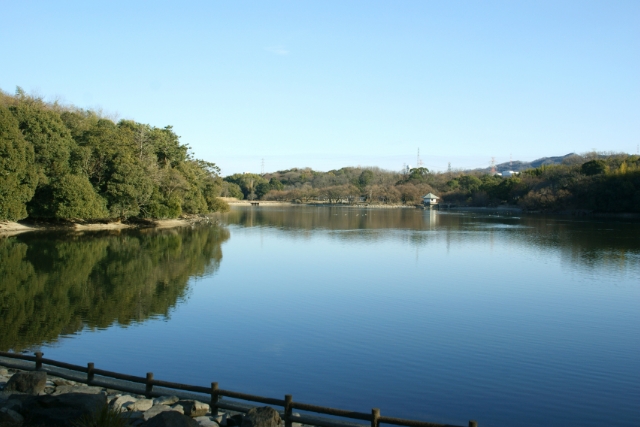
[37,399]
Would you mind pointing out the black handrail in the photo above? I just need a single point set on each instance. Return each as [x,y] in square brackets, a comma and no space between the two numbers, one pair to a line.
[288,404]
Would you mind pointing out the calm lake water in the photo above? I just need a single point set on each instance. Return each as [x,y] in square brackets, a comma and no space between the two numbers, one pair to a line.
[444,317]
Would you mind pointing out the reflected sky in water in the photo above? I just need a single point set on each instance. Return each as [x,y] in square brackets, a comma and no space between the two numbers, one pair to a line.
[438,316]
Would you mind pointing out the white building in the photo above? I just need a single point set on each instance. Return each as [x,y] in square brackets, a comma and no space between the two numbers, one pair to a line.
[509,174]
[430,199]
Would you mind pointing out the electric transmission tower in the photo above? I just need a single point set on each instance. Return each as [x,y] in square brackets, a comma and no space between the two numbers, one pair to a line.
[262,167]
[493,166]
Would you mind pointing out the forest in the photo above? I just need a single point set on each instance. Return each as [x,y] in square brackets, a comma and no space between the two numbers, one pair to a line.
[597,182]
[62,162]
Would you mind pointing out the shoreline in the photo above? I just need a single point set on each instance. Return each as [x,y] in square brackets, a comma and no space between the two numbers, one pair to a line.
[12,228]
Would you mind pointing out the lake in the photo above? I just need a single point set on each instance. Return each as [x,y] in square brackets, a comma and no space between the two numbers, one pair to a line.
[438,316]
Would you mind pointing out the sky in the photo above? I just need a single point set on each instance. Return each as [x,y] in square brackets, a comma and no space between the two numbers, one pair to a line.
[327,84]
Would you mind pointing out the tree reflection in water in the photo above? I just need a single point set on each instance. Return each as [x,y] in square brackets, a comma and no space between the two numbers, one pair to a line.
[54,284]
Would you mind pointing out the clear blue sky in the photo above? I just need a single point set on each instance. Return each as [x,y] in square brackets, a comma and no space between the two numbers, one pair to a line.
[328,84]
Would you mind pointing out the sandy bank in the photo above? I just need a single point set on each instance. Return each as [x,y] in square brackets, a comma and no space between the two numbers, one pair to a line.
[10,228]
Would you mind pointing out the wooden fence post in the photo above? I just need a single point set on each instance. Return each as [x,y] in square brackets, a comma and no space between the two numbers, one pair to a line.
[89,372]
[214,399]
[288,410]
[39,355]
[375,416]
[149,387]
[473,423]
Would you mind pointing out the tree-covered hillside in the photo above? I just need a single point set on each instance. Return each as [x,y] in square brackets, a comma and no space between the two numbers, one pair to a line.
[61,162]
[593,182]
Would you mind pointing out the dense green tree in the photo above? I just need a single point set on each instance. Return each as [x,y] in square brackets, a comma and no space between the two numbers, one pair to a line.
[275,184]
[75,197]
[247,182]
[365,178]
[18,176]
[50,138]
[594,167]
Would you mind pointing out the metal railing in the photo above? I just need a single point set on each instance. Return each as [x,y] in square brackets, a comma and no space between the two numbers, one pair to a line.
[215,393]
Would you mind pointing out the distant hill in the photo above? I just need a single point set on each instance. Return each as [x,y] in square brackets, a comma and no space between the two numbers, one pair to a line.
[517,165]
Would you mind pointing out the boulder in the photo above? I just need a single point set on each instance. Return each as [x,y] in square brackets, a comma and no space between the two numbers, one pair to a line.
[221,419]
[165,400]
[4,372]
[10,418]
[158,409]
[261,417]
[27,382]
[193,408]
[120,401]
[170,419]
[59,382]
[139,405]
[64,389]
[206,421]
[61,410]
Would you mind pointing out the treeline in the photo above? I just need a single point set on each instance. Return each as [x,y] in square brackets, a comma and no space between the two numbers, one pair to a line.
[594,182]
[62,162]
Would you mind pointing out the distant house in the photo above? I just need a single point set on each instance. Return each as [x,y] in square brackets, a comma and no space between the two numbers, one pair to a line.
[430,199]
[509,174]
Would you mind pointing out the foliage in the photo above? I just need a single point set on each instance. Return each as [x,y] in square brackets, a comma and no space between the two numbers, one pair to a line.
[594,167]
[67,162]
[18,177]
[609,183]
[248,183]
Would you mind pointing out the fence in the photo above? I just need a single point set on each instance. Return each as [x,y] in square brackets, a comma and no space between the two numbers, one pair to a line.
[215,393]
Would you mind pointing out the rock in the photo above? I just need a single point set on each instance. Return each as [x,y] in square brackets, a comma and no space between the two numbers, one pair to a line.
[165,400]
[158,409]
[120,401]
[10,418]
[206,421]
[170,419]
[61,410]
[4,372]
[65,389]
[139,405]
[193,408]
[235,421]
[221,419]
[178,408]
[59,382]
[27,382]
[261,417]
